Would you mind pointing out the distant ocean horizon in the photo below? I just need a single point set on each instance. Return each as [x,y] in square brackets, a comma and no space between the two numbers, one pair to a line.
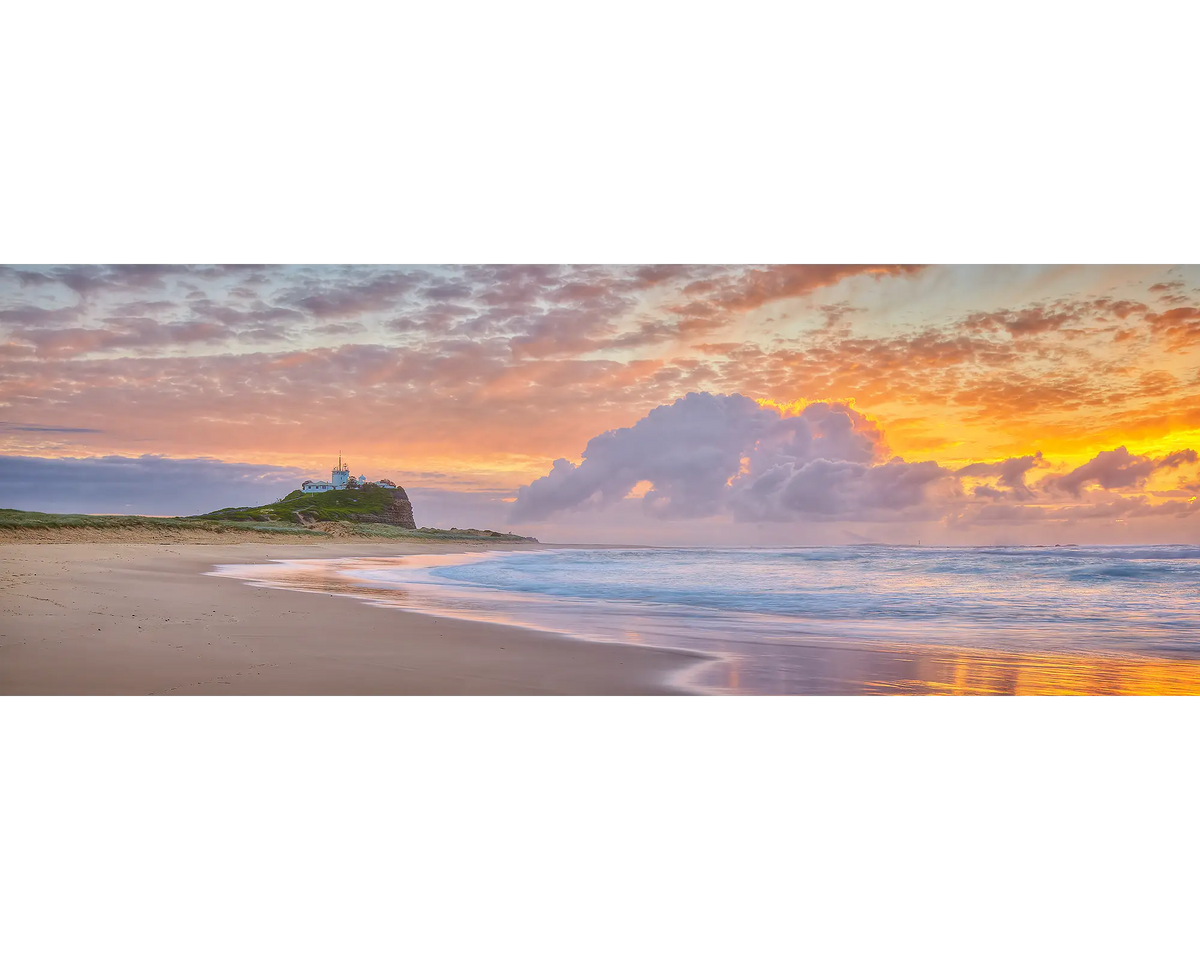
[848,619]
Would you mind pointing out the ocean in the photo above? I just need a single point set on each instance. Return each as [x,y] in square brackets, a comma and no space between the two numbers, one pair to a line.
[854,619]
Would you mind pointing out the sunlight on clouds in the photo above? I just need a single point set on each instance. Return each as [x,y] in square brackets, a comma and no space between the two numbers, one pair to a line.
[792,408]
[743,470]
[480,378]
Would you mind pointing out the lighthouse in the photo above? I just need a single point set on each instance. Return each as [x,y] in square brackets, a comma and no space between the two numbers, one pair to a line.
[341,476]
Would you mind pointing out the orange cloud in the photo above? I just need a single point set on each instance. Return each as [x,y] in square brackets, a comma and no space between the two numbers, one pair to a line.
[492,371]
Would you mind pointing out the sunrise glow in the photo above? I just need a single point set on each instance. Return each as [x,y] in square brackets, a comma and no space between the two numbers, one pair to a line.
[471,382]
[723,479]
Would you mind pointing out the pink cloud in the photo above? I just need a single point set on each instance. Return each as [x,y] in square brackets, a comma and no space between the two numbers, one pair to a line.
[1119,470]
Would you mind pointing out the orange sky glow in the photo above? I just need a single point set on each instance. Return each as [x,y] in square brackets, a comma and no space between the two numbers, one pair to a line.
[474,380]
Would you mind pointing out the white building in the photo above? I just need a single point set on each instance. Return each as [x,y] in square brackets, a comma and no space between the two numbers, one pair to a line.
[340,479]
[341,475]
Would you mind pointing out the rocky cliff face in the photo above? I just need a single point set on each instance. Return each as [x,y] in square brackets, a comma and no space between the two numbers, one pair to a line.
[398,512]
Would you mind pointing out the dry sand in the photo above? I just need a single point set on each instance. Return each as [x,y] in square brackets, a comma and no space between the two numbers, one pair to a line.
[140,618]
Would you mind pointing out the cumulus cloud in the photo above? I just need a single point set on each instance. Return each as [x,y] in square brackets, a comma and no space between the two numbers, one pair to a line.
[689,450]
[820,489]
[1118,470]
[727,456]
[1010,476]
[706,455]
[507,366]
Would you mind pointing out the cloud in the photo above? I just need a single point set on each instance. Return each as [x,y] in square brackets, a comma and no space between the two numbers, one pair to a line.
[1179,327]
[822,490]
[688,450]
[146,485]
[87,279]
[1032,518]
[1041,318]
[353,328]
[1017,323]
[134,334]
[713,301]
[1118,470]
[9,427]
[726,456]
[361,292]
[507,367]
[754,287]
[245,265]
[25,315]
[708,455]
[1011,474]
[530,311]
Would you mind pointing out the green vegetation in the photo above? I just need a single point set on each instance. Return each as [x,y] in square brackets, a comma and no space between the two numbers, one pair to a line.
[30,520]
[297,506]
[454,534]
[364,513]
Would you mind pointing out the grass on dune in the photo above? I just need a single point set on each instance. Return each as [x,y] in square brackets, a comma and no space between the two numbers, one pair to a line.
[17,520]
[31,520]
[429,533]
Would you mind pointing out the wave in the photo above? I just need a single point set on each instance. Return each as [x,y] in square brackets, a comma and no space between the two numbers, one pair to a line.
[754,609]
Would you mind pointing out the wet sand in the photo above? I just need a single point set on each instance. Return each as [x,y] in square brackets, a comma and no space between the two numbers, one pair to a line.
[753,665]
[139,618]
[124,618]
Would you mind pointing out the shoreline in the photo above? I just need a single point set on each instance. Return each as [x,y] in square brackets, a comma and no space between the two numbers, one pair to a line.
[135,618]
[141,618]
[750,662]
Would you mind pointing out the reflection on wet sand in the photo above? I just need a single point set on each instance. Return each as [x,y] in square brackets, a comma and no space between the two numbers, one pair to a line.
[836,668]
[317,580]
[1048,675]
[789,666]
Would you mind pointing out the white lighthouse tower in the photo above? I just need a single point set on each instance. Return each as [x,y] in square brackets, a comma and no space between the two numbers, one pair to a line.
[341,476]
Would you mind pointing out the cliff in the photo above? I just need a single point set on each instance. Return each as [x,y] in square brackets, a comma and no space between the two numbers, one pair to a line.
[367,504]
[398,512]
[368,511]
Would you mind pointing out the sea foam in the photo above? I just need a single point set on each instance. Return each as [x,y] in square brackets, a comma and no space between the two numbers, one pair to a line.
[756,607]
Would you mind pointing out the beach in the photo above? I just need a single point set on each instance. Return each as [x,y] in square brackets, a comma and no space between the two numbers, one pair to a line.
[603,479]
[128,618]
[124,617]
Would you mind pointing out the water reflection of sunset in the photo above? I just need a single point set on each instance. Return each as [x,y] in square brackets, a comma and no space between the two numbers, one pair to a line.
[849,478]
[964,672]
[752,665]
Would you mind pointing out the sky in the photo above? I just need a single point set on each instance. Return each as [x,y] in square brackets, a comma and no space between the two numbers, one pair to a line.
[745,404]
